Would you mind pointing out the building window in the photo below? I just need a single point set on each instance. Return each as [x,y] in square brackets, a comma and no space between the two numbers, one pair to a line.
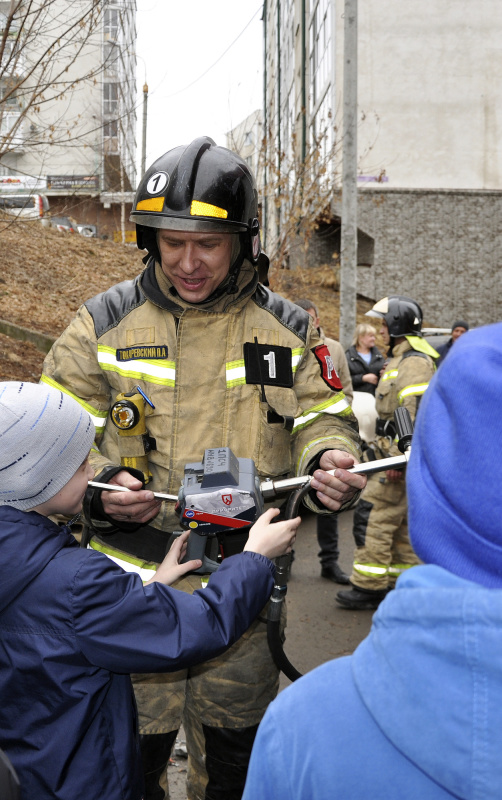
[111,23]
[248,139]
[8,97]
[110,99]
[111,137]
[323,138]
[111,59]
[320,49]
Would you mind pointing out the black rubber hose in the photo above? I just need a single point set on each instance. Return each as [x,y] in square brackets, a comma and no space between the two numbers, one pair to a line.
[282,570]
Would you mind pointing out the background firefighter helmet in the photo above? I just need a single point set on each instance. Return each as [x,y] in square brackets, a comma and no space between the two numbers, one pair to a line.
[201,188]
[403,315]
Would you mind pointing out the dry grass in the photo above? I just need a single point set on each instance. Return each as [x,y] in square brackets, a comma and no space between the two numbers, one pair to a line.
[46,275]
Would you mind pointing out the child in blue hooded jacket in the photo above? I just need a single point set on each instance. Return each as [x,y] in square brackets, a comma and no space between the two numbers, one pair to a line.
[73,624]
[415,712]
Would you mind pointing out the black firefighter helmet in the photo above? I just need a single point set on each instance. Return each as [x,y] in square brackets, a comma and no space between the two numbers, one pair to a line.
[200,188]
[402,314]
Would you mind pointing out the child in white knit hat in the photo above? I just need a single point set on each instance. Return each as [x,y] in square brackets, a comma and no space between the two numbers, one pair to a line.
[73,624]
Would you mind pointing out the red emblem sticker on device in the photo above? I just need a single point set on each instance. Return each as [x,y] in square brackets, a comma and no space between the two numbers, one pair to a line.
[328,371]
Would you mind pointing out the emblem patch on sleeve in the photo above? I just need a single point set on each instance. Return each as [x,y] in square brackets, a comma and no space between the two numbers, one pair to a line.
[328,371]
[268,364]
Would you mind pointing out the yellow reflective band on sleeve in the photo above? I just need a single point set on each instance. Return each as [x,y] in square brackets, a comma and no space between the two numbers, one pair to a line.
[296,357]
[152,204]
[410,391]
[198,209]
[145,569]
[370,570]
[98,417]
[335,443]
[338,406]
[392,373]
[236,373]
[149,370]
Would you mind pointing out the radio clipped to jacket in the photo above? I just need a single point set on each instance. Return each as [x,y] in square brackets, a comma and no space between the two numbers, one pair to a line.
[129,417]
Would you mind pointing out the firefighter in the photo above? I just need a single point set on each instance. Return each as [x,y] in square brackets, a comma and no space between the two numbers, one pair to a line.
[380,519]
[222,361]
[327,526]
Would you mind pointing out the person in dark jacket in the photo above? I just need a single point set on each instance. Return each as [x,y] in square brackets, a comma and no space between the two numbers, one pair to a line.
[73,624]
[365,361]
[458,328]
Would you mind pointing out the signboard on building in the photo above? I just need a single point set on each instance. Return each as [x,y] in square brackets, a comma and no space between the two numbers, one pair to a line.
[71,183]
[21,183]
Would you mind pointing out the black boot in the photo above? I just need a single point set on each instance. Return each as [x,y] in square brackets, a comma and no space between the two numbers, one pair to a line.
[228,751]
[357,599]
[155,751]
[334,572]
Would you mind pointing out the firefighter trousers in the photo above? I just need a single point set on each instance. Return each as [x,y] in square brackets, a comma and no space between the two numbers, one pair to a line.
[380,520]
[220,703]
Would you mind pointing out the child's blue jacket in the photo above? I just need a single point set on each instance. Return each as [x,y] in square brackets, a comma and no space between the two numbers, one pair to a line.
[73,625]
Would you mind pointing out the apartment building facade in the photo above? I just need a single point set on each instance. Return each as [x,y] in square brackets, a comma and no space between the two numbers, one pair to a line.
[67,106]
[429,144]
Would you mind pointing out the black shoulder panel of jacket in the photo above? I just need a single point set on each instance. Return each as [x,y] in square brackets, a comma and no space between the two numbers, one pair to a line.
[290,315]
[109,308]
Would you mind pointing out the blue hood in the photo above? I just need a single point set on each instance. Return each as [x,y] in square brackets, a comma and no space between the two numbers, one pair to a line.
[37,538]
[454,481]
[430,674]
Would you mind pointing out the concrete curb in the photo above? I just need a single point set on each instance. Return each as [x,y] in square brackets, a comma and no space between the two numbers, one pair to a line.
[40,340]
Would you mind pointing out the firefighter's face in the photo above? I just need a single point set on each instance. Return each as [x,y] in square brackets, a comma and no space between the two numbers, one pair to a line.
[314,316]
[384,333]
[195,263]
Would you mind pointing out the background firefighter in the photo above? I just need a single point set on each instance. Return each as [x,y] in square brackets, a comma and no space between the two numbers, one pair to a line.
[380,519]
[234,365]
[327,526]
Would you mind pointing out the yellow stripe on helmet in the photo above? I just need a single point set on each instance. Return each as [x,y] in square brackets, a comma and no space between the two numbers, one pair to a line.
[198,209]
[151,204]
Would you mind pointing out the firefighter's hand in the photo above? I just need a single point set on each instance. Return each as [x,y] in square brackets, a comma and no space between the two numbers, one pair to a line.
[171,570]
[335,490]
[394,475]
[139,505]
[272,540]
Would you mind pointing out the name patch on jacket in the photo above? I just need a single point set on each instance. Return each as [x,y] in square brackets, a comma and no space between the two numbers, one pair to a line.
[268,364]
[328,371]
[146,351]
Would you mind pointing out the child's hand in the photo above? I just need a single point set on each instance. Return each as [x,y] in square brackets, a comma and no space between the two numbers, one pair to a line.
[171,569]
[275,539]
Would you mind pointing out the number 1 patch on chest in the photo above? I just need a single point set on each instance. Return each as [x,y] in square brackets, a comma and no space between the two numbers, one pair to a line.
[328,371]
[268,364]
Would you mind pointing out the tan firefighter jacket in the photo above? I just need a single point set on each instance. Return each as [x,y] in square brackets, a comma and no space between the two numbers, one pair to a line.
[203,368]
[403,383]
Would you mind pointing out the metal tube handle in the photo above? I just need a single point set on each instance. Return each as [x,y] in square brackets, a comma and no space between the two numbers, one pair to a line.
[404,428]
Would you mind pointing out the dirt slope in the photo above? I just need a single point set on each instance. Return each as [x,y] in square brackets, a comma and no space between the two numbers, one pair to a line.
[46,275]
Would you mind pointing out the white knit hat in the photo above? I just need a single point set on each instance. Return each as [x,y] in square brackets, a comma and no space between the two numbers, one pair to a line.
[44,437]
